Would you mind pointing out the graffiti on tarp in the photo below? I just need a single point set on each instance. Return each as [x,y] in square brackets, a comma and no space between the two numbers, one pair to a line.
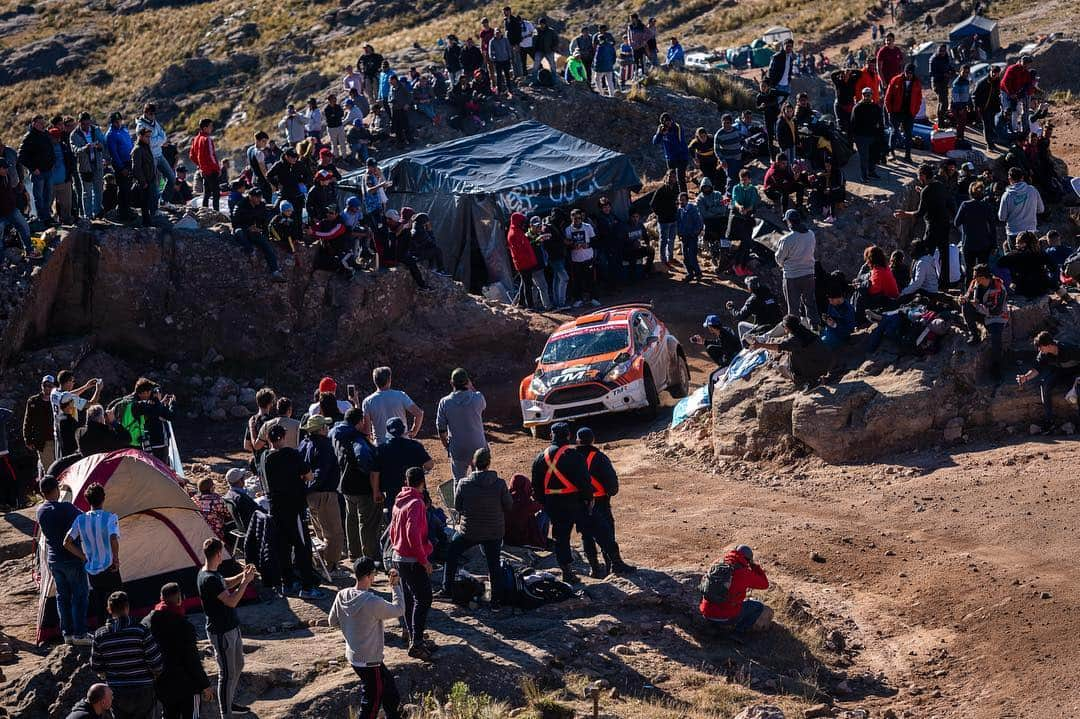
[547,193]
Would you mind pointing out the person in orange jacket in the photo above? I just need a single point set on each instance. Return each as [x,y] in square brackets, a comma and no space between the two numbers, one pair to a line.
[204,155]
[903,98]
[736,612]
[868,77]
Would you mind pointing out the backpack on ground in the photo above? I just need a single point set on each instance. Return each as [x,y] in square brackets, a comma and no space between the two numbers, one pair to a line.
[1071,268]
[526,588]
[716,583]
[466,589]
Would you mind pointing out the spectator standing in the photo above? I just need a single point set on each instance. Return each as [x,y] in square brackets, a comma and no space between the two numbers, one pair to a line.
[727,144]
[665,205]
[986,99]
[768,101]
[502,59]
[890,61]
[787,134]
[1020,207]
[212,507]
[219,596]
[960,100]
[941,72]
[204,155]
[579,237]
[183,680]
[158,139]
[37,426]
[385,402]
[690,226]
[460,422]
[669,136]
[37,156]
[782,69]
[292,126]
[603,65]
[127,655]
[412,559]
[903,98]
[334,115]
[94,538]
[287,480]
[977,223]
[314,123]
[323,500]
[512,26]
[55,519]
[88,143]
[482,500]
[119,145]
[361,614]
[545,43]
[369,65]
[357,461]
[795,256]
[934,210]
[397,455]
[144,175]
[867,128]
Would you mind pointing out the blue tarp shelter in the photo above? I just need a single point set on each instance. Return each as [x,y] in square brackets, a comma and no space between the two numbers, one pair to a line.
[470,186]
[982,27]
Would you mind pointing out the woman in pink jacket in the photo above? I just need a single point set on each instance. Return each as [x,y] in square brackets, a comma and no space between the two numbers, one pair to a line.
[412,559]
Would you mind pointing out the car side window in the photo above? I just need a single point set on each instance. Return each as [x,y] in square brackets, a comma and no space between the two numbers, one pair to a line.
[641,331]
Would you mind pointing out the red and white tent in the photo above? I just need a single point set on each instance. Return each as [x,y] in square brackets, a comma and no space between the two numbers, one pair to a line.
[161,529]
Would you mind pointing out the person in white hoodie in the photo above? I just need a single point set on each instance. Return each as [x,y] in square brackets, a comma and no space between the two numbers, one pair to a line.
[361,614]
[795,255]
[1020,206]
[157,140]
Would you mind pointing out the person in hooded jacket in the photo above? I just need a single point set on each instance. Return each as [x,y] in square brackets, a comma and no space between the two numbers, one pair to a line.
[183,676]
[361,615]
[737,612]
[412,559]
[527,263]
[526,523]
[483,500]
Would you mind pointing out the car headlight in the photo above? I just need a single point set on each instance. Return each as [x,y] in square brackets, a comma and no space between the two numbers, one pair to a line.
[537,386]
[618,371]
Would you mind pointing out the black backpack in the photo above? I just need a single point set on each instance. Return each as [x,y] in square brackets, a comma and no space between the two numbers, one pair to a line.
[526,588]
[1071,268]
[716,583]
[544,78]
[465,589]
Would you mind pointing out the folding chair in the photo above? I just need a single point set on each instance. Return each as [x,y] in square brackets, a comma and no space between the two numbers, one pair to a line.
[317,545]
[237,533]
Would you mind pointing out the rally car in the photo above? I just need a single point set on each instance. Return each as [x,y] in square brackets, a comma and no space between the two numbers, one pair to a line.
[613,360]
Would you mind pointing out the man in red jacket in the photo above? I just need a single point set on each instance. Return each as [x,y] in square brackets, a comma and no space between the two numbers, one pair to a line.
[736,611]
[903,98]
[204,155]
[1017,86]
[528,265]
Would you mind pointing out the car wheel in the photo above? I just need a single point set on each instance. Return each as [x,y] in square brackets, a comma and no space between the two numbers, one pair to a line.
[680,385]
[540,431]
[651,395]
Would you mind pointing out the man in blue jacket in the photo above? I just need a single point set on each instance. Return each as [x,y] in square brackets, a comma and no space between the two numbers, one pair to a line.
[669,136]
[118,144]
[689,230]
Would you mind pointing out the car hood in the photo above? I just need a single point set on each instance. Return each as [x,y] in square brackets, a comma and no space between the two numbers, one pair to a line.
[576,372]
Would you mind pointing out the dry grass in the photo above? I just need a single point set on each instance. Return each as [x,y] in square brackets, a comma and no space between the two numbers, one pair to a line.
[726,91]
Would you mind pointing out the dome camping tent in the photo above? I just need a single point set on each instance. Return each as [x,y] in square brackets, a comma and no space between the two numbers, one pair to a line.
[978,26]
[161,529]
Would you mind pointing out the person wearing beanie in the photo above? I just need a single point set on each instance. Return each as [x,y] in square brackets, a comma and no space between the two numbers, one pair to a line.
[459,420]
[327,385]
[599,528]
[323,500]
[727,607]
[560,480]
[795,256]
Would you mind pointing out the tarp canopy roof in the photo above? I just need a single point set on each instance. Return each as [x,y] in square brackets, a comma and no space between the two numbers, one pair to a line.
[974,25]
[526,156]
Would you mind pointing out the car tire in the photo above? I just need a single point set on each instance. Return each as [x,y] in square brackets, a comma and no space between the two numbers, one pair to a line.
[651,395]
[680,387]
[540,431]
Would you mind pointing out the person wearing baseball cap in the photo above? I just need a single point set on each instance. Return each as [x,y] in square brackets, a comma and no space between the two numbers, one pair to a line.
[724,588]
[317,451]
[459,420]
[238,499]
[561,482]
[721,344]
[37,427]
[397,452]
[599,528]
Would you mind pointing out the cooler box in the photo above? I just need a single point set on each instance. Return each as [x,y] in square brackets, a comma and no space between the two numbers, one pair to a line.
[942,141]
[921,132]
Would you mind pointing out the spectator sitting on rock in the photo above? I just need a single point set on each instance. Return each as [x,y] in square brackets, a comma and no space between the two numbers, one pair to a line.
[780,183]
[808,359]
[249,222]
[1033,273]
[676,58]
[182,193]
[100,434]
[212,507]
[284,230]
[875,285]
[760,313]
[838,320]
[924,273]
[827,191]
[1056,364]
[898,265]
[724,603]
[986,303]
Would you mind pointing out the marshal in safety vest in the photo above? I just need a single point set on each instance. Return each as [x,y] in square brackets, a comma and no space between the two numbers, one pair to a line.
[598,486]
[555,482]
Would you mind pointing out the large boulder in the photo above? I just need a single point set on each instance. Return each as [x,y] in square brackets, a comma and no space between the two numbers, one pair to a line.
[199,73]
[1056,62]
[55,55]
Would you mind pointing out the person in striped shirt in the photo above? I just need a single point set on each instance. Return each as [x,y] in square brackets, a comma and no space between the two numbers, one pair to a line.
[94,538]
[127,655]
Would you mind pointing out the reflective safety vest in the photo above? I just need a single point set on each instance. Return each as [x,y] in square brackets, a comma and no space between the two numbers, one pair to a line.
[554,473]
[598,486]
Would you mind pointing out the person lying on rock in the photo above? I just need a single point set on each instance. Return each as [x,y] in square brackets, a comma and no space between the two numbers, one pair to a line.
[723,593]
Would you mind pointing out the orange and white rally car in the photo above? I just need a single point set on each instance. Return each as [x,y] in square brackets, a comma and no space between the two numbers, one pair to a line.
[612,360]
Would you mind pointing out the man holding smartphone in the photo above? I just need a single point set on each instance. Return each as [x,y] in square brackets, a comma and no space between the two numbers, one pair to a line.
[385,403]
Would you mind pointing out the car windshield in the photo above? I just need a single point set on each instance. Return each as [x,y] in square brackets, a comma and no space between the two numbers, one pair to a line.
[587,343]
